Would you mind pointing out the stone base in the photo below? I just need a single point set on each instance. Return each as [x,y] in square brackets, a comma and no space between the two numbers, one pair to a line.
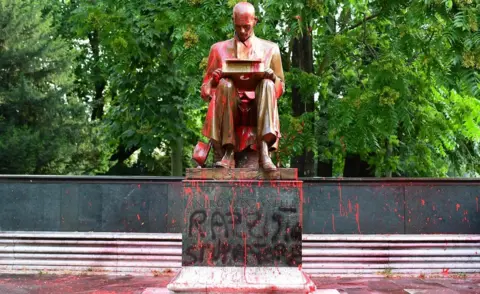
[240,174]
[241,280]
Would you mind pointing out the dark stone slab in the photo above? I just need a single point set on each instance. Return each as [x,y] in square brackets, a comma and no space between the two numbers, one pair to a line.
[242,223]
[175,214]
[21,207]
[442,209]
[99,204]
[69,207]
[157,207]
[90,200]
[353,209]
[134,208]
[51,199]
[83,207]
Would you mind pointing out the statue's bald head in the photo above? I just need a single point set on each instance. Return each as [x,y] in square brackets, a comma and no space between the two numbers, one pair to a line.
[243,8]
[244,20]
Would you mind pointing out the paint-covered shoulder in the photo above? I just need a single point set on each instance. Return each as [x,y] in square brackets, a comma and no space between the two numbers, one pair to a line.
[268,44]
[220,45]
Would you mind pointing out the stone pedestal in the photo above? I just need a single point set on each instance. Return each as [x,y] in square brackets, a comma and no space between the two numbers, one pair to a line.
[242,235]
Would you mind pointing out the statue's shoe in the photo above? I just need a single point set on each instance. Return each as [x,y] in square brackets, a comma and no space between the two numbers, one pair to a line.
[225,163]
[267,165]
[228,160]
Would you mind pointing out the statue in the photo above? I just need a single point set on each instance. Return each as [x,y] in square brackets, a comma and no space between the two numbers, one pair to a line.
[240,117]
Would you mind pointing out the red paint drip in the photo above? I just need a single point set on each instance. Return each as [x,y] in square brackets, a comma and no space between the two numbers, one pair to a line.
[457,206]
[244,236]
[333,223]
[300,187]
[423,202]
[138,217]
[258,205]
[206,201]
[357,217]
[233,217]
[340,201]
[350,209]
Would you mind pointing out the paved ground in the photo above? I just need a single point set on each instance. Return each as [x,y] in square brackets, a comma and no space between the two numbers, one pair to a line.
[43,284]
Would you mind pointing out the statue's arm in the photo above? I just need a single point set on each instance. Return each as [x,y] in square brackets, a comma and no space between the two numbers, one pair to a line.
[208,86]
[277,68]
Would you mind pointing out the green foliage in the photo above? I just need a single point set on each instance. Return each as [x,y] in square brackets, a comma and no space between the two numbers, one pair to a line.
[396,82]
[43,129]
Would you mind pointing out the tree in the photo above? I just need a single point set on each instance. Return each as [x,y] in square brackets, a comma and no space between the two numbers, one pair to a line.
[43,129]
[373,87]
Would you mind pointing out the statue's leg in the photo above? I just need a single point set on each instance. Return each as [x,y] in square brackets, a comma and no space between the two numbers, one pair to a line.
[226,110]
[266,124]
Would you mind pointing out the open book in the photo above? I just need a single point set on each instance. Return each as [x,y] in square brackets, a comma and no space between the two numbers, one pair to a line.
[245,73]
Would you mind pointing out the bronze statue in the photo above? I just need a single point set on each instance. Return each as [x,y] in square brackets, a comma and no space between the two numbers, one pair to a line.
[241,117]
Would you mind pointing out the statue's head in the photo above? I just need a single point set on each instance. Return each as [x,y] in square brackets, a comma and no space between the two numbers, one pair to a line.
[244,20]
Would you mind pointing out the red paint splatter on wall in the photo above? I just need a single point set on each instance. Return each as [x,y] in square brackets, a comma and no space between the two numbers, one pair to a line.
[340,201]
[457,206]
[333,223]
[423,202]
[357,216]
[138,217]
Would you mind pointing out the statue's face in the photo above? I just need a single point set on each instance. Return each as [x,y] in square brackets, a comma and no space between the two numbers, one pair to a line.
[244,24]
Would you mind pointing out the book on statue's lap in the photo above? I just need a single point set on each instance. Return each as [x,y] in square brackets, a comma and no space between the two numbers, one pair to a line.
[245,73]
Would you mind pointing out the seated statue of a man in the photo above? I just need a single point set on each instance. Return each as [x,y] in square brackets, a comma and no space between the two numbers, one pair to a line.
[225,97]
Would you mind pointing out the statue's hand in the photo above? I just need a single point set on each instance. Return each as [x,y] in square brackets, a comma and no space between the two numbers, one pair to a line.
[217,75]
[270,75]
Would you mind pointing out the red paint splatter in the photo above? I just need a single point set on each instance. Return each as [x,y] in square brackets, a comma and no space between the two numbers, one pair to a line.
[258,205]
[299,185]
[445,271]
[333,223]
[457,206]
[350,209]
[357,216]
[244,236]
[139,186]
[340,201]
[206,201]
[423,202]
[138,217]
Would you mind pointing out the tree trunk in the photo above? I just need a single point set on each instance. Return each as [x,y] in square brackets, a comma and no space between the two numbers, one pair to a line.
[355,167]
[98,102]
[302,58]
[325,166]
[177,156]
[120,156]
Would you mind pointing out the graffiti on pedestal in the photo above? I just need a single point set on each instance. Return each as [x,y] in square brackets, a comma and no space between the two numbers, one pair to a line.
[241,230]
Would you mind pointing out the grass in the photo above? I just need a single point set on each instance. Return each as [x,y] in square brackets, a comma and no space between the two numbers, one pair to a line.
[157,273]
[387,272]
[461,275]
